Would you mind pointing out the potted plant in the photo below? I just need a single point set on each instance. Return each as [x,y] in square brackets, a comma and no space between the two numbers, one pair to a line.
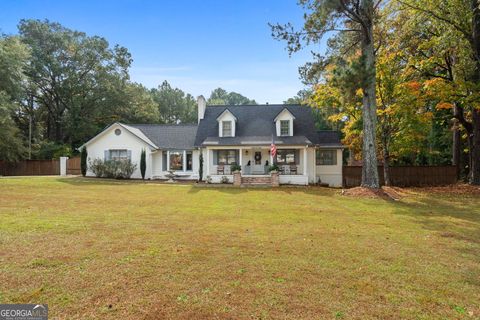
[235,168]
[273,168]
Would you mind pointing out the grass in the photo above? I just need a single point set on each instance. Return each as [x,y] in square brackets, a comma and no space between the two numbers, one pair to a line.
[104,249]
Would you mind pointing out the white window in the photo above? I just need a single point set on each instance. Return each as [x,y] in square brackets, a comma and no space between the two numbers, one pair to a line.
[284,127]
[226,128]
[118,154]
[228,157]
[326,157]
[176,160]
[189,160]
[286,156]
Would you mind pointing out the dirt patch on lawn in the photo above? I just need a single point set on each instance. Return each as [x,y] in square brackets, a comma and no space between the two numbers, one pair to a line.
[387,193]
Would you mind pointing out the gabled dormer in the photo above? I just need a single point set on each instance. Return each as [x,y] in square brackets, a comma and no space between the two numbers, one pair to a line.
[284,123]
[226,124]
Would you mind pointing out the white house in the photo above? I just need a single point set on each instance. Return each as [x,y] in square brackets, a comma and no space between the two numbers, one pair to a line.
[225,136]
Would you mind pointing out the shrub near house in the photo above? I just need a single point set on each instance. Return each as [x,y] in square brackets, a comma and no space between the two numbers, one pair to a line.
[118,169]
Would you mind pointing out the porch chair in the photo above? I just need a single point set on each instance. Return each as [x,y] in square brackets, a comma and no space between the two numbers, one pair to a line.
[293,169]
[221,169]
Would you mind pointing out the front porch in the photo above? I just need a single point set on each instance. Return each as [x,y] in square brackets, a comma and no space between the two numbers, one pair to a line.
[255,161]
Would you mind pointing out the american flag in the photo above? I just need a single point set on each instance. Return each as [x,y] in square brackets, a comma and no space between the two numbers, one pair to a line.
[273,149]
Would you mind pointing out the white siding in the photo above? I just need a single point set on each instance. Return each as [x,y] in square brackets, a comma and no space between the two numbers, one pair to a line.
[332,174]
[109,140]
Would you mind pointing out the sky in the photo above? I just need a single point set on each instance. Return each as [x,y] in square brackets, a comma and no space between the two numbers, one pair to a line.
[196,46]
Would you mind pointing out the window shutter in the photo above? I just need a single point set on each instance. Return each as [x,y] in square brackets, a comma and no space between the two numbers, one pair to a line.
[105,155]
[237,156]
[215,157]
[297,156]
[129,155]
[164,164]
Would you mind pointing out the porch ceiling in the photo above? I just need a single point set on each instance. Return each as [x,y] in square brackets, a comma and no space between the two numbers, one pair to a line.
[256,140]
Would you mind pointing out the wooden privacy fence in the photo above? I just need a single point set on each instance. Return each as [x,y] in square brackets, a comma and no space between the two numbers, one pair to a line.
[73,166]
[405,176]
[30,168]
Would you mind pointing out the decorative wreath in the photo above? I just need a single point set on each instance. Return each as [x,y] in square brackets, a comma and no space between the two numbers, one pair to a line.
[258,157]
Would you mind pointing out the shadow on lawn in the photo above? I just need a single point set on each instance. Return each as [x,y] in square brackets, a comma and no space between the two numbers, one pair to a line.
[435,215]
[321,191]
[84,181]
[461,234]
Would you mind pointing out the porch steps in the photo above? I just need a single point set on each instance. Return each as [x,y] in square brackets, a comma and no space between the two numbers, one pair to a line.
[256,181]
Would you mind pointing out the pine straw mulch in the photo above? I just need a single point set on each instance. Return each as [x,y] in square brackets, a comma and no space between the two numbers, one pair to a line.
[397,193]
[387,193]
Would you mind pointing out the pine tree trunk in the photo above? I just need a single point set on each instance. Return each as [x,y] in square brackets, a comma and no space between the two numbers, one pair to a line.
[369,110]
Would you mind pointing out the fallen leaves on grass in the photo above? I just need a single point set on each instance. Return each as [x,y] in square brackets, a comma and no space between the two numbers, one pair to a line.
[457,189]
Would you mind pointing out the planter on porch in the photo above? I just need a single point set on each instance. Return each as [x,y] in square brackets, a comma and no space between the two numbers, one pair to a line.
[275,178]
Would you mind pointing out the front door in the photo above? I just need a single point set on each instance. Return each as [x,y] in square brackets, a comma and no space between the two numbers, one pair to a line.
[257,163]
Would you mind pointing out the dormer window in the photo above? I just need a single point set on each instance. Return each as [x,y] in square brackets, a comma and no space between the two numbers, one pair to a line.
[284,123]
[227,128]
[226,124]
[284,127]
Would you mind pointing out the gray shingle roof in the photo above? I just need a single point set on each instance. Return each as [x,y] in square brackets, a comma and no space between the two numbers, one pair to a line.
[327,138]
[181,136]
[255,125]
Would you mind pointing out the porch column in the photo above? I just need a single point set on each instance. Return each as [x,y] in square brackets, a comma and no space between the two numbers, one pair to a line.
[207,162]
[305,161]
[271,156]
[240,158]
[168,160]
[184,160]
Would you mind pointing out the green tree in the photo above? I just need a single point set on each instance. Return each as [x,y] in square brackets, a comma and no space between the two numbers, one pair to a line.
[220,96]
[301,97]
[143,163]
[200,168]
[455,29]
[71,76]
[13,60]
[358,18]
[83,161]
[12,147]
[174,105]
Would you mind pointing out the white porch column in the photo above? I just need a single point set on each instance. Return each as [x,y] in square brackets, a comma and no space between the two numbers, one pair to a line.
[184,160]
[207,162]
[305,161]
[168,160]
[162,165]
[271,156]
[240,157]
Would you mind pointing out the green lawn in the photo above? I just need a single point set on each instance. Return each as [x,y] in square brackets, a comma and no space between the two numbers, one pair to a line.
[98,249]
